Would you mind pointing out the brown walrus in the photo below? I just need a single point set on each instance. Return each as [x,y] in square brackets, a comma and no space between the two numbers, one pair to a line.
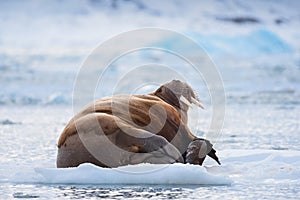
[130,129]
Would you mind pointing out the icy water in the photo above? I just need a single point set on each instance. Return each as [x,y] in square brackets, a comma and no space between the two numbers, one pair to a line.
[257,59]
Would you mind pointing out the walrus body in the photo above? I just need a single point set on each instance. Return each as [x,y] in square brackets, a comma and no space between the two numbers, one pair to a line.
[130,129]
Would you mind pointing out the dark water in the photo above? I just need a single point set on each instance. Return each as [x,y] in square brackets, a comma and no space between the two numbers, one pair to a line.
[261,191]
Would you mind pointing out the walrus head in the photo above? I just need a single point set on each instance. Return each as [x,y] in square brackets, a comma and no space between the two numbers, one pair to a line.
[197,151]
[178,94]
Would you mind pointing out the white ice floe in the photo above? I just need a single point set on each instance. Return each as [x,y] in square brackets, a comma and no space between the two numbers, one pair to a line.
[237,166]
[134,174]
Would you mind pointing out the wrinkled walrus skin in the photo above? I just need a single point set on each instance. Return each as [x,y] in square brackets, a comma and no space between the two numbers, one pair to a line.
[133,129]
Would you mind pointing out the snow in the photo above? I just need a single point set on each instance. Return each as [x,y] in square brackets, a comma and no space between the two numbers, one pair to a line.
[262,165]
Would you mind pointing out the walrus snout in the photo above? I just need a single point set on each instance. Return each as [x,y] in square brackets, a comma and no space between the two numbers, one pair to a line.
[197,151]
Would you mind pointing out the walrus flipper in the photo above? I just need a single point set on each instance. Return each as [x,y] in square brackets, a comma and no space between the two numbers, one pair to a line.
[213,155]
[149,148]
[157,150]
[197,151]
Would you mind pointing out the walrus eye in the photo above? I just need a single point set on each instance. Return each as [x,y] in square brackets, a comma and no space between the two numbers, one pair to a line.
[159,90]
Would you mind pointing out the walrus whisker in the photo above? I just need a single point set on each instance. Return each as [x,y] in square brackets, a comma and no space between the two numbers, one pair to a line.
[196,94]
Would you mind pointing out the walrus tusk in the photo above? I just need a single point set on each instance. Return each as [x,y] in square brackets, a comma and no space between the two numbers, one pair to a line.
[198,103]
[185,101]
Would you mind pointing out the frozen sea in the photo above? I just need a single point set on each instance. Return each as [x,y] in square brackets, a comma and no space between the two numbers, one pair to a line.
[254,45]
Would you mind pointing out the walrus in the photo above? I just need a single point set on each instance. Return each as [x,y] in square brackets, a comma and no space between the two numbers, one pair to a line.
[130,129]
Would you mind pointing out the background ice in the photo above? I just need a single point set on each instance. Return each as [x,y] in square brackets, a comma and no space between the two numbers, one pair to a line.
[40,41]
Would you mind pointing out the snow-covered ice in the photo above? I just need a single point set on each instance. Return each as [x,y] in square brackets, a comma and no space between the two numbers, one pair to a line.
[238,165]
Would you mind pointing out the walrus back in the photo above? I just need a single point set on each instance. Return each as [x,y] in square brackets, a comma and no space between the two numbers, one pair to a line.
[134,111]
